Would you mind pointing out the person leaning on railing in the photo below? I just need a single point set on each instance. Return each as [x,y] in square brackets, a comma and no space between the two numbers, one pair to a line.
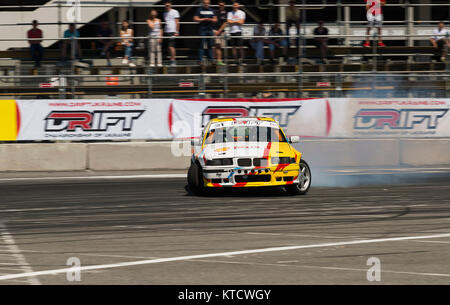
[321,40]
[440,40]
[105,44]
[257,43]
[156,34]
[36,49]
[277,42]
[70,33]
[219,42]
[206,17]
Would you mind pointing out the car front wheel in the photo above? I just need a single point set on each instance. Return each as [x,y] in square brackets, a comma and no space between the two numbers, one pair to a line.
[304,181]
[195,179]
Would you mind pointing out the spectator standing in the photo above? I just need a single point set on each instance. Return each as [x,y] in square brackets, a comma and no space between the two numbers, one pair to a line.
[106,44]
[277,42]
[70,33]
[375,19]
[440,40]
[172,29]
[36,49]
[219,42]
[127,35]
[293,18]
[156,34]
[235,19]
[321,40]
[206,17]
[257,43]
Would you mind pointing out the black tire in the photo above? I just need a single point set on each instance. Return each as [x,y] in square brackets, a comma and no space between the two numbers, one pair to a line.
[195,179]
[301,188]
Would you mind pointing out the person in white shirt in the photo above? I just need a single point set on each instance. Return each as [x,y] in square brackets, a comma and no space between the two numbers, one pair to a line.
[440,40]
[172,29]
[155,33]
[235,19]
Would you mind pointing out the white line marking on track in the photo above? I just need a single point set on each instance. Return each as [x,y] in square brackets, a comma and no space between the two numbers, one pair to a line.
[155,176]
[17,254]
[286,264]
[231,253]
[434,242]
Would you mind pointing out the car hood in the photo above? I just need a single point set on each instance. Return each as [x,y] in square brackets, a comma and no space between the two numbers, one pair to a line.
[246,150]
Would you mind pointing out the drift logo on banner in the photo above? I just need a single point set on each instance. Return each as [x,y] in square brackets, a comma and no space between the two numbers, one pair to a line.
[281,114]
[9,120]
[95,121]
[398,119]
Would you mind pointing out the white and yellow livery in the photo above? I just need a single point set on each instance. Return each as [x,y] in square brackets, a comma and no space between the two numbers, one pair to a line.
[247,152]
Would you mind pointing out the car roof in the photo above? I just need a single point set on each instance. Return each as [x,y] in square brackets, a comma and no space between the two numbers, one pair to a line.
[241,118]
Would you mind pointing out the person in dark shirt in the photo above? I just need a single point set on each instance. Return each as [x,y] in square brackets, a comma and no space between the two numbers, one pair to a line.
[206,18]
[36,49]
[105,44]
[277,42]
[220,26]
[321,40]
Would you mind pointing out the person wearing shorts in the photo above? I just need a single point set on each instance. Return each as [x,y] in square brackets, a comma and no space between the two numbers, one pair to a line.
[172,29]
[219,41]
[235,19]
[374,14]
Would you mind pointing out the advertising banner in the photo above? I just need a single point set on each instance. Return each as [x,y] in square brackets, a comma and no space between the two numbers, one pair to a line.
[307,117]
[93,119]
[374,118]
[166,119]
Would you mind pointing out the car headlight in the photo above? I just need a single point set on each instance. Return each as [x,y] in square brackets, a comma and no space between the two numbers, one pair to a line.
[219,162]
[282,160]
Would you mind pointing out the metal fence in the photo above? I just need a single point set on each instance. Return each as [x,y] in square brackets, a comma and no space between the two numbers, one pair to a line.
[149,82]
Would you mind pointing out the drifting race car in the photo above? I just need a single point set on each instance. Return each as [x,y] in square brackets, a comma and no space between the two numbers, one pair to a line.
[247,152]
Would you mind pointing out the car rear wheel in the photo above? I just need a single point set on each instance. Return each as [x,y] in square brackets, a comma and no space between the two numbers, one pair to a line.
[195,179]
[305,181]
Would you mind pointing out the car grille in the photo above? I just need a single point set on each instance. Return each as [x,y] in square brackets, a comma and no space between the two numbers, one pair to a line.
[252,178]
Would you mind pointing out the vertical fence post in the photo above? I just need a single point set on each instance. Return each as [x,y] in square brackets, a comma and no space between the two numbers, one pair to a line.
[72,64]
[225,58]
[149,69]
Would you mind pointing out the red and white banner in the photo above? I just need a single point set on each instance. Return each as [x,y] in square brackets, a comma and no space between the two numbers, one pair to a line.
[165,119]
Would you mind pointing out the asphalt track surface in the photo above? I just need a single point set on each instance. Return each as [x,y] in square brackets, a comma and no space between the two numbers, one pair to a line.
[152,231]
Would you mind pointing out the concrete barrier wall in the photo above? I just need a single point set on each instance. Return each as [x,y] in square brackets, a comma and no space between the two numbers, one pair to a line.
[134,156]
[158,155]
[43,157]
[369,153]
[422,152]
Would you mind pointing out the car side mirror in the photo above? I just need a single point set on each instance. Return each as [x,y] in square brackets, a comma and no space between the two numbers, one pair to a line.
[294,139]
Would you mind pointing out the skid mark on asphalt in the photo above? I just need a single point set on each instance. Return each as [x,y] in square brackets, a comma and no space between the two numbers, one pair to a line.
[290,264]
[221,254]
[12,256]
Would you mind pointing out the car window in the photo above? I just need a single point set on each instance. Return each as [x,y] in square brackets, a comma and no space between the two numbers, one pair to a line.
[244,134]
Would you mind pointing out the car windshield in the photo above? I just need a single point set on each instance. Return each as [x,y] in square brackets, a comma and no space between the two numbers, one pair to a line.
[244,134]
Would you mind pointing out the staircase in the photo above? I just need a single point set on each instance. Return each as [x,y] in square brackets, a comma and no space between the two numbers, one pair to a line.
[49,13]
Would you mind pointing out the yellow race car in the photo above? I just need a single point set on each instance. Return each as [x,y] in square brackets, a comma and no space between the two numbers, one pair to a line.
[247,152]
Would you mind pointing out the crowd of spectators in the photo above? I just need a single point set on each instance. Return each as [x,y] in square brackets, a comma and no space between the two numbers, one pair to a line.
[211,27]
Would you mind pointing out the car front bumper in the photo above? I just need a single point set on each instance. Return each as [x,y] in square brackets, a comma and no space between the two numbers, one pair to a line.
[277,175]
